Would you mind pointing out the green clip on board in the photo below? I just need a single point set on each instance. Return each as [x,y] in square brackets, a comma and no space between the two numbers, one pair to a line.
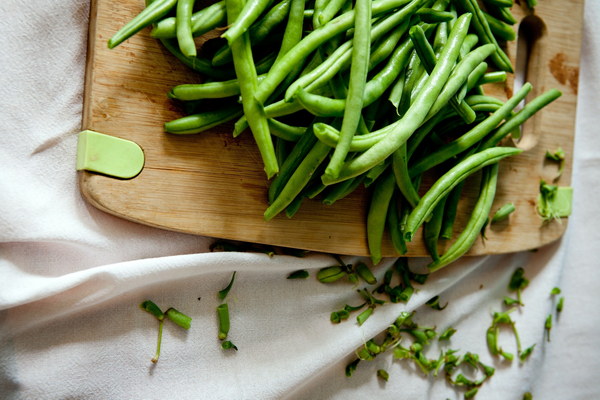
[109,155]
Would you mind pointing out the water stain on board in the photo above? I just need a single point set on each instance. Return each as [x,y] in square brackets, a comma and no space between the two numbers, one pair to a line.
[563,72]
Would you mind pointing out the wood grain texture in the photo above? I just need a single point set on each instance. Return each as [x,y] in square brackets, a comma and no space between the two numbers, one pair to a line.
[213,185]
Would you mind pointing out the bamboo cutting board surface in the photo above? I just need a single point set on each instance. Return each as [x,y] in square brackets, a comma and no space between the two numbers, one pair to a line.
[213,185]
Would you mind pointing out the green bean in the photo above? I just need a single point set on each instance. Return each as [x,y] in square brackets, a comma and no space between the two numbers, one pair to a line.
[431,16]
[329,11]
[293,29]
[298,180]
[459,76]
[449,180]
[322,106]
[471,137]
[258,32]
[476,221]
[402,176]
[387,46]
[203,21]
[481,26]
[298,153]
[208,90]
[341,57]
[286,132]
[251,11]
[339,191]
[374,173]
[314,39]
[274,110]
[401,130]
[503,212]
[394,222]
[377,215]
[184,27]
[450,211]
[246,72]
[149,15]
[432,228]
[361,45]
[492,77]
[198,64]
[499,28]
[499,3]
[428,59]
[441,36]
[201,122]
[519,118]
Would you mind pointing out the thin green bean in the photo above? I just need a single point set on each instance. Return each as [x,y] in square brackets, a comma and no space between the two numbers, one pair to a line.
[183,19]
[478,218]
[449,180]
[377,215]
[203,21]
[251,11]
[149,15]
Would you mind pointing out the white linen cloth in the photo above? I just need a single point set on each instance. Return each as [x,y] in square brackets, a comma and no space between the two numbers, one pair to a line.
[72,277]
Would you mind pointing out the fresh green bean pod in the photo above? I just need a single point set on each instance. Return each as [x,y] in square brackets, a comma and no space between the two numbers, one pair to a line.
[481,26]
[477,220]
[208,90]
[150,14]
[449,180]
[377,215]
[203,21]
[183,19]
[400,131]
[503,212]
[224,324]
[499,28]
[286,132]
[520,117]
[432,229]
[247,76]
[251,11]
[258,32]
[471,137]
[316,38]
[402,176]
[298,180]
[201,122]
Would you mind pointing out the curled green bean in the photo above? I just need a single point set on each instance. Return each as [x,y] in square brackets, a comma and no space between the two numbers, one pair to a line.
[449,180]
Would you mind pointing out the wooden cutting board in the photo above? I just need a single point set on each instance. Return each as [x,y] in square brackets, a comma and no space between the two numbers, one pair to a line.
[213,185]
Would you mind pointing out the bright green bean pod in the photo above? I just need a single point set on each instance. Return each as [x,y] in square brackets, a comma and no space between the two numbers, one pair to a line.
[286,132]
[374,88]
[499,28]
[492,77]
[361,45]
[298,180]
[291,163]
[183,19]
[203,21]
[477,220]
[149,15]
[394,223]
[208,90]
[201,122]
[450,211]
[503,212]
[293,29]
[401,130]
[339,191]
[377,215]
[198,64]
[402,176]
[258,32]
[428,59]
[519,118]
[314,39]
[471,137]
[432,228]
[449,180]
[251,11]
[499,3]
[247,76]
[330,10]
[481,26]
[431,16]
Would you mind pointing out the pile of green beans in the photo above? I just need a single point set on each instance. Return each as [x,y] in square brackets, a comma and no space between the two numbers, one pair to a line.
[341,95]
